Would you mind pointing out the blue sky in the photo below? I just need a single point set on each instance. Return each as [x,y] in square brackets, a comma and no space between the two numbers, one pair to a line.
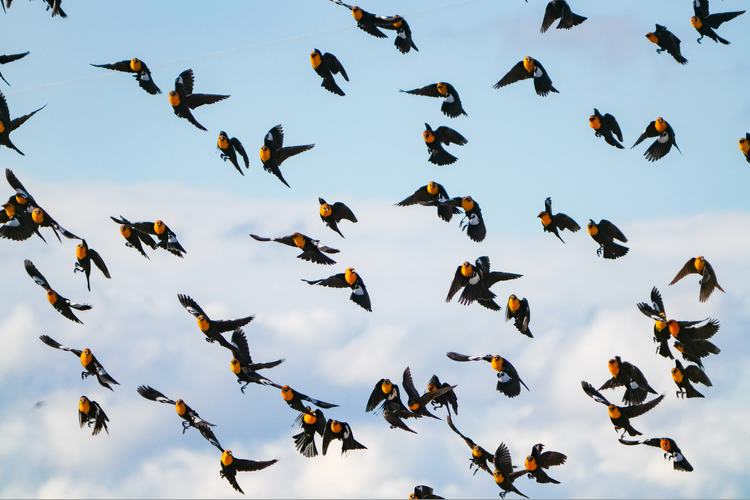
[103,147]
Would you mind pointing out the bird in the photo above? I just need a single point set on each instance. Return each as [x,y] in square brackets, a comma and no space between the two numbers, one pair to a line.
[628,375]
[448,399]
[189,416]
[84,257]
[55,6]
[708,282]
[670,448]
[386,394]
[434,139]
[9,58]
[88,361]
[134,238]
[371,22]
[745,146]
[537,461]
[89,412]
[605,233]
[167,238]
[621,415]
[508,380]
[559,9]
[683,376]
[529,68]
[666,40]
[326,65]
[692,337]
[229,149]
[142,73]
[471,279]
[183,100]
[504,475]
[242,363]
[706,23]
[212,329]
[519,311]
[552,222]
[474,222]
[479,456]
[424,491]
[311,422]
[606,126]
[294,400]
[348,279]
[230,466]
[273,154]
[657,313]
[403,40]
[451,101]
[7,125]
[433,194]
[60,303]
[340,431]
[334,213]
[416,403]
[312,250]
[664,133]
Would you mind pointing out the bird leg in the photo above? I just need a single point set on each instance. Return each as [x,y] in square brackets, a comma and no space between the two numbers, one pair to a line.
[185,426]
[85,375]
[128,244]
[701,38]
[599,251]
[659,51]
[243,387]
[78,268]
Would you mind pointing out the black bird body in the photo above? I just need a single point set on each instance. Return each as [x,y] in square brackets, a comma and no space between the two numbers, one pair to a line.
[230,148]
[312,250]
[606,126]
[684,376]
[706,23]
[479,456]
[242,364]
[503,474]
[418,404]
[334,213]
[140,70]
[508,380]
[538,461]
[403,40]
[519,311]
[423,491]
[133,237]
[60,303]
[340,431]
[433,194]
[628,375]
[699,265]
[451,101]
[529,68]
[9,58]
[273,154]
[166,237]
[183,100]
[559,9]
[230,466]
[212,329]
[670,448]
[88,361]
[348,279]
[294,400]
[91,414]
[665,139]
[605,233]
[387,395]
[474,222]
[666,40]
[692,337]
[84,257]
[471,279]
[326,65]
[434,139]
[448,399]
[554,222]
[7,125]
[312,422]
[661,330]
[371,22]
[621,415]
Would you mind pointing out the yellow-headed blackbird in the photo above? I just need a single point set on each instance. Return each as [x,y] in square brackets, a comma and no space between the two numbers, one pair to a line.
[89,412]
[664,142]
[423,491]
[311,422]
[552,222]
[60,303]
[671,451]
[326,65]
[371,22]
[699,265]
[538,461]
[8,58]
[294,400]
[433,194]
[691,357]
[230,466]
[142,73]
[387,395]
[606,126]
[666,40]
[605,233]
[529,68]
[692,337]
[559,9]
[451,102]
[448,399]
[167,238]
[434,139]
[416,403]
[349,279]
[519,311]
[273,154]
[342,432]
[229,149]
[474,225]
[621,415]
[190,416]
[312,250]
[84,257]
[508,381]
[333,214]
[88,361]
[213,329]
[657,313]
[242,364]
[133,237]
[683,376]
[183,100]
[504,474]
[479,456]
[403,41]
[706,23]
[471,279]
[628,375]
[745,146]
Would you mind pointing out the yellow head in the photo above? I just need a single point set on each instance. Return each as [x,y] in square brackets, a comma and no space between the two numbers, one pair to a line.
[135,64]
[174,98]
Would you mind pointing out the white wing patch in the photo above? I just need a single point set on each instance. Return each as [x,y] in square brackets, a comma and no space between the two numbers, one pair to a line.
[664,137]
[503,377]
[450,99]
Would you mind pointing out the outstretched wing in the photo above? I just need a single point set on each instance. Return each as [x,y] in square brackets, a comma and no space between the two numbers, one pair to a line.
[191,305]
[594,394]
[35,274]
[149,392]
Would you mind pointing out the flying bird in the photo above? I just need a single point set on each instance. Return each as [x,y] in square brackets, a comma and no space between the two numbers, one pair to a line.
[628,375]
[273,154]
[424,491]
[167,238]
[9,58]
[312,250]
[538,461]
[476,281]
[665,139]
[340,431]
[134,238]
[508,381]
[242,363]
[519,311]
[479,456]
[91,414]
[88,361]
[212,329]
[692,338]
[621,415]
[142,73]
[294,400]
[230,466]
[656,312]
[503,474]
[448,400]
[387,395]
[183,100]
[559,9]
[606,126]
[745,146]
[348,279]
[403,40]
[706,23]
[552,222]
[666,40]
[334,213]
[60,303]
[605,233]
[84,257]
[7,125]
[451,101]
[326,65]
[371,22]
[433,194]
[312,422]
[416,403]
[670,448]
[472,222]
[229,149]
[699,265]
[434,139]
[529,68]
[684,376]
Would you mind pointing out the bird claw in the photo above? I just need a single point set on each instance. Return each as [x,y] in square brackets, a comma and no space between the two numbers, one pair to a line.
[85,375]
[243,387]
[659,51]
[699,40]
[77,268]
[599,251]
[128,244]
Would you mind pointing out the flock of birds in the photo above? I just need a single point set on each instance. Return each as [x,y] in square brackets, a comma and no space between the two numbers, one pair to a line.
[22,217]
